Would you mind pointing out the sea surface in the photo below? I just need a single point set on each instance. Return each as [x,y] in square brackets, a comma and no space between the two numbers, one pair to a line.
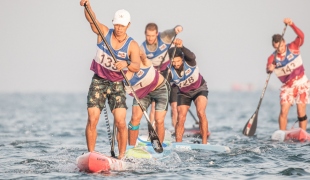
[42,134]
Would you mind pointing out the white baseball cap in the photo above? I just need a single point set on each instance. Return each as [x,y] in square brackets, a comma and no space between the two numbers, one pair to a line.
[121,17]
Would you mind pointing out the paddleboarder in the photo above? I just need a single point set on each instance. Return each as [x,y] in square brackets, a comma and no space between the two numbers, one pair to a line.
[289,68]
[192,87]
[107,80]
[155,47]
[149,86]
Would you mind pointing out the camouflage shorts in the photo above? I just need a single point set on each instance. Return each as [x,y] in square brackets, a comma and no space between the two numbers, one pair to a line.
[101,89]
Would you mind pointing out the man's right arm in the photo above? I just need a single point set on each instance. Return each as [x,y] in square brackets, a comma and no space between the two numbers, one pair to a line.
[270,64]
[168,35]
[104,29]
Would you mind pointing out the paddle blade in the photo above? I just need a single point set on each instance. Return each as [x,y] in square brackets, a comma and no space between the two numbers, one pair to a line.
[250,127]
[154,139]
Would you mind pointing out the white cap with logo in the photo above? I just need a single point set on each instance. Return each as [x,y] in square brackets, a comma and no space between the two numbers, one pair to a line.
[121,17]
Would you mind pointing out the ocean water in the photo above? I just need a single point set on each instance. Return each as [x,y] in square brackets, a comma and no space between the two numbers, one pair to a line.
[41,135]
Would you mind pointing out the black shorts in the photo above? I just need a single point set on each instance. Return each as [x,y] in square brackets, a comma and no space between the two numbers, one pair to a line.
[174,94]
[187,98]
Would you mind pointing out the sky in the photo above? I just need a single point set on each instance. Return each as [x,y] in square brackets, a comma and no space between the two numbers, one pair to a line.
[48,46]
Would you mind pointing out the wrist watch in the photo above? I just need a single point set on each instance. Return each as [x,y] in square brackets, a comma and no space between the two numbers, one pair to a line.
[128,63]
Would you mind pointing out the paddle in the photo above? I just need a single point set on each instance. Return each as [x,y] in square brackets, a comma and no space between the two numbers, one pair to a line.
[158,68]
[105,112]
[113,140]
[294,124]
[192,114]
[169,70]
[152,133]
[250,127]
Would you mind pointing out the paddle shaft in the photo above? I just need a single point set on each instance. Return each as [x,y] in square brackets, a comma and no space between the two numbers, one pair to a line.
[192,114]
[111,137]
[269,74]
[113,140]
[169,70]
[154,134]
[158,68]
[263,93]
[250,127]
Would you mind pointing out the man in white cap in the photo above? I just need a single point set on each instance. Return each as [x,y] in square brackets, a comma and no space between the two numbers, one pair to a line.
[107,80]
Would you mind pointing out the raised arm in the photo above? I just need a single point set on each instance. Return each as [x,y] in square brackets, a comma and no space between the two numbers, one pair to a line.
[189,56]
[299,41]
[168,35]
[104,29]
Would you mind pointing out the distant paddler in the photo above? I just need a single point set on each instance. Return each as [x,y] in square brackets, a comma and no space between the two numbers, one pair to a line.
[289,68]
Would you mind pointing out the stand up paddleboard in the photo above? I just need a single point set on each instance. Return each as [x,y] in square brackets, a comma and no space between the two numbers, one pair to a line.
[296,134]
[94,162]
[142,141]
[192,132]
[146,151]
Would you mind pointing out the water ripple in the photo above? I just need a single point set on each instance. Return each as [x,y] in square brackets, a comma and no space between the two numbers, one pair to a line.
[42,134]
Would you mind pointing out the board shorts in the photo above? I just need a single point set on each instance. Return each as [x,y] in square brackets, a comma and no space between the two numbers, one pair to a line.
[187,98]
[174,94]
[173,97]
[296,92]
[160,96]
[101,89]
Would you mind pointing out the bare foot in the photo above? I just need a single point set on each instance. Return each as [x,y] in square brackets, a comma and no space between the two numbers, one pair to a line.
[121,156]
[209,133]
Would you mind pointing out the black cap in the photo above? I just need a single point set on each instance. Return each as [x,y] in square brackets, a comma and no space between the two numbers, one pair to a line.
[178,52]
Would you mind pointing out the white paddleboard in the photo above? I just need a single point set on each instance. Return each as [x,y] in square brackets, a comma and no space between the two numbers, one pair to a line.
[296,134]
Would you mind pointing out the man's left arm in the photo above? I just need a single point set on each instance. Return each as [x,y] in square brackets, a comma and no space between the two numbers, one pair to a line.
[300,35]
[189,56]
[134,55]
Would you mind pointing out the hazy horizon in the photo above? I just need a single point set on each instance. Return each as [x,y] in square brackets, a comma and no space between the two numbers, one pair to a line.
[48,46]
